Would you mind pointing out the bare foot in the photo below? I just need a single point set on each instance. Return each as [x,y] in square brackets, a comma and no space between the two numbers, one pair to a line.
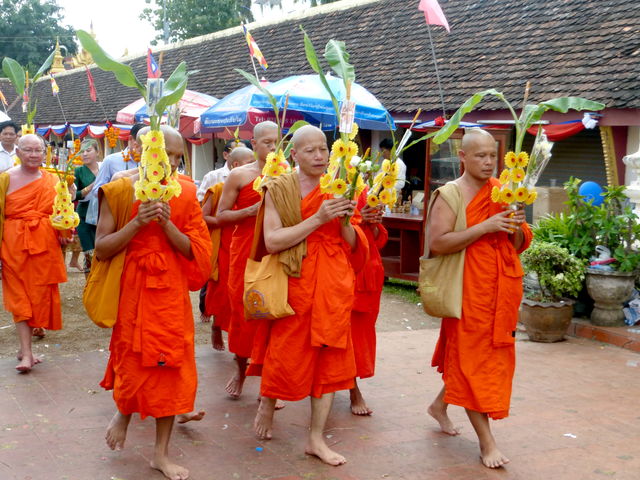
[492,457]
[280,405]
[77,266]
[38,332]
[234,386]
[36,360]
[204,318]
[25,365]
[264,418]
[169,469]
[191,416]
[324,453]
[440,415]
[216,338]
[117,431]
[358,405]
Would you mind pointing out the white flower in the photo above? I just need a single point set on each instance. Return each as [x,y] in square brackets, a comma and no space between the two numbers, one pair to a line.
[355,161]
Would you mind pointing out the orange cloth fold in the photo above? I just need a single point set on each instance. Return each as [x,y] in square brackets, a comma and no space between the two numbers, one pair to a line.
[476,353]
[217,298]
[241,332]
[32,261]
[311,353]
[152,367]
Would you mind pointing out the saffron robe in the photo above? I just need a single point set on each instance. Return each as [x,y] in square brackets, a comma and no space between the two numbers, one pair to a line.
[152,367]
[217,298]
[241,332]
[476,353]
[311,353]
[366,305]
[32,261]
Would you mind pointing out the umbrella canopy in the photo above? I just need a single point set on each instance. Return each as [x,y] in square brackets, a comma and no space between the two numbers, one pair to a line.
[4,117]
[242,109]
[307,94]
[191,106]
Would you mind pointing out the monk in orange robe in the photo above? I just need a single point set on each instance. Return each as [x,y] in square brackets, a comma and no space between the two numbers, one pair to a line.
[310,353]
[152,367]
[366,305]
[238,207]
[216,301]
[32,262]
[476,353]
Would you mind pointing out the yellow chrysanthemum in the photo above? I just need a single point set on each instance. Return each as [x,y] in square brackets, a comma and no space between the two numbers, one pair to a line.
[60,187]
[333,168]
[395,168]
[257,184]
[334,157]
[271,157]
[275,171]
[386,166]
[154,173]
[384,196]
[351,150]
[140,193]
[372,200]
[522,160]
[156,156]
[517,174]
[339,148]
[510,160]
[495,194]
[522,194]
[339,186]
[507,196]
[378,178]
[388,181]
[533,194]
[504,176]
[325,180]
[153,190]
[172,189]
[153,139]
[354,131]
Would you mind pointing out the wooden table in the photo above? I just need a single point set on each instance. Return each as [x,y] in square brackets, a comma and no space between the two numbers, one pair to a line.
[401,255]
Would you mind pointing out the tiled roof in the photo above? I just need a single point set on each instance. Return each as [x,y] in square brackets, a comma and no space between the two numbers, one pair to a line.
[579,47]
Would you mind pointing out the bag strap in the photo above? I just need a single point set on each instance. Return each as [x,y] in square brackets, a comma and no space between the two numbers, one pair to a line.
[258,247]
[456,208]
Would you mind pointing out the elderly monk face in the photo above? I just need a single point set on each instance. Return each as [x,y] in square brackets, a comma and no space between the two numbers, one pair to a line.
[479,154]
[31,151]
[310,151]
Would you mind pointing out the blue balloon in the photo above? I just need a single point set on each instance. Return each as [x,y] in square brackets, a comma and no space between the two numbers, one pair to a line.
[591,192]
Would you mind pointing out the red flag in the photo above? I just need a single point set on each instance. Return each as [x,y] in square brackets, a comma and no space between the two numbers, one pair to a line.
[92,87]
[153,69]
[433,14]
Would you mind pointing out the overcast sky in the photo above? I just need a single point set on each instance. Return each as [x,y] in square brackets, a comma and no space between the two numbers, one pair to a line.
[118,27]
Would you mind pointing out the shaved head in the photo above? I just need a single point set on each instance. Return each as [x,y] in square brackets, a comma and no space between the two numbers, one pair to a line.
[29,138]
[305,134]
[264,128]
[241,156]
[474,135]
[165,129]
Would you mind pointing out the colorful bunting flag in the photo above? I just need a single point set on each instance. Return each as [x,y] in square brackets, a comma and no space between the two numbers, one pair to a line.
[254,50]
[153,69]
[433,13]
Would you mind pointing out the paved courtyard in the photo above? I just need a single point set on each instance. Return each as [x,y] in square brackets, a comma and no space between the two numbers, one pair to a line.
[574,416]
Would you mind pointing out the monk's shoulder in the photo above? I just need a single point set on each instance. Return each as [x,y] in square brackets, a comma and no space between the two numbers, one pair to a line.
[188,186]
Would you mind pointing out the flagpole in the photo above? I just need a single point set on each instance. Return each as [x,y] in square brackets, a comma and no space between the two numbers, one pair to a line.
[253,62]
[435,63]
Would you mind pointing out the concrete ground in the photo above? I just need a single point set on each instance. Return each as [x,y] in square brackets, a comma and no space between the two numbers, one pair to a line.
[574,416]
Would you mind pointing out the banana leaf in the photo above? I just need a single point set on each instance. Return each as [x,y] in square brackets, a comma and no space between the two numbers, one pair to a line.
[15,73]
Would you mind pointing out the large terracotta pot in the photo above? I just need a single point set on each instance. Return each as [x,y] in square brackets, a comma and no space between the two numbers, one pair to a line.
[546,322]
[609,290]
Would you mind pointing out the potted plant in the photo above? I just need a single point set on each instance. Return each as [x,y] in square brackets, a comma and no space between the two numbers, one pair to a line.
[611,224]
[546,311]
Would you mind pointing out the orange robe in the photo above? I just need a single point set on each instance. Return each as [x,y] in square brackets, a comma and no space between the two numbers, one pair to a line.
[152,367]
[32,261]
[476,353]
[311,353]
[366,306]
[217,298]
[241,332]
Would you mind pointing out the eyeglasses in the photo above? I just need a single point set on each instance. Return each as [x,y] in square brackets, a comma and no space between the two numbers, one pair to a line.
[30,151]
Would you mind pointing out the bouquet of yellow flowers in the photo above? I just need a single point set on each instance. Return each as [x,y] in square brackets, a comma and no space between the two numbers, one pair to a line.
[156,182]
[64,217]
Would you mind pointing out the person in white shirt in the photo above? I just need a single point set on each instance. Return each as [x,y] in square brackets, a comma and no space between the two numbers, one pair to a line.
[220,174]
[385,147]
[8,139]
